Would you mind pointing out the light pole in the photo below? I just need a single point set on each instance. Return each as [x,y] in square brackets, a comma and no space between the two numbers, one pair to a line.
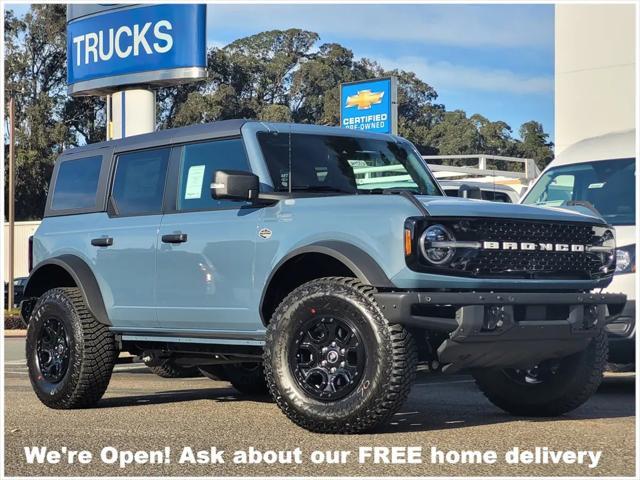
[11,201]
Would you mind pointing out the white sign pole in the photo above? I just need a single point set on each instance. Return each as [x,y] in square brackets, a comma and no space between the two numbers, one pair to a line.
[133,112]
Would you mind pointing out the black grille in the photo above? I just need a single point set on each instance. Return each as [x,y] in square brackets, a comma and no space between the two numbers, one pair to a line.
[520,263]
[510,231]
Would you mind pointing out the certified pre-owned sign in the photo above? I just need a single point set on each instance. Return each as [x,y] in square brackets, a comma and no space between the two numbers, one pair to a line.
[111,47]
[369,105]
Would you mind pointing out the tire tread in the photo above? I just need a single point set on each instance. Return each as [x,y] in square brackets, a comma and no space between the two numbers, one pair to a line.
[98,353]
[396,389]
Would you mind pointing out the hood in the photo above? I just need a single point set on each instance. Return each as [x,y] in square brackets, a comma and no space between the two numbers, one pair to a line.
[464,207]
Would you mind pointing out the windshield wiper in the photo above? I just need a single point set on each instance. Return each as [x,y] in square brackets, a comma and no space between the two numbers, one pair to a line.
[320,188]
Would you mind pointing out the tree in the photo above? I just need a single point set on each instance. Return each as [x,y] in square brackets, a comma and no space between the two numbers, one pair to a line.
[455,134]
[417,114]
[495,137]
[34,76]
[257,71]
[47,120]
[271,59]
[535,143]
[275,113]
[315,90]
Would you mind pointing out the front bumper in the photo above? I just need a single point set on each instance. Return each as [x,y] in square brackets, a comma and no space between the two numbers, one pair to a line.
[506,329]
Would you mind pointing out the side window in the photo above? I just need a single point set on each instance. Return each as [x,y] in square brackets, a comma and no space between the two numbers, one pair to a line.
[138,185]
[501,197]
[77,184]
[495,196]
[198,163]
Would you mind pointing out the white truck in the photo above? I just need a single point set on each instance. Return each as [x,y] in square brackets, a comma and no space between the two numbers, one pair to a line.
[600,172]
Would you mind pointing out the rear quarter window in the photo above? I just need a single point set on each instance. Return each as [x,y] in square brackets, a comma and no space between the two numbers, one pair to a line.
[77,184]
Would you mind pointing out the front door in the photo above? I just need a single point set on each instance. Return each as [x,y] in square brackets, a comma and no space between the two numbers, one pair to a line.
[206,247]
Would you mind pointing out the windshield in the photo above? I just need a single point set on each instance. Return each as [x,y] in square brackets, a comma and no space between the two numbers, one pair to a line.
[354,165]
[608,185]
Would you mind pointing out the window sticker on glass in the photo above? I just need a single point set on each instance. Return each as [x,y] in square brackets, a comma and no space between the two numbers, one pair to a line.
[195,176]
[357,163]
[596,185]
[284,178]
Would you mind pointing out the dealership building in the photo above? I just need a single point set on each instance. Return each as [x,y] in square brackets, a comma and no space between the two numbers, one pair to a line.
[595,71]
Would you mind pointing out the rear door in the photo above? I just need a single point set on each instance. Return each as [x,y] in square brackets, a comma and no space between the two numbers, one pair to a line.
[206,247]
[125,240]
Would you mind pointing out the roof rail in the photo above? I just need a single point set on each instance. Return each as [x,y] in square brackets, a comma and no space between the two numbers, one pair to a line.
[531,170]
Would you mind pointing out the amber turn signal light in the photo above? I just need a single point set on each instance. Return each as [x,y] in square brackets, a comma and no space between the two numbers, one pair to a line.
[407,242]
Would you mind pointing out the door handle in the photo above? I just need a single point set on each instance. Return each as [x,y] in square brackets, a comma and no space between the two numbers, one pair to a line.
[102,242]
[174,238]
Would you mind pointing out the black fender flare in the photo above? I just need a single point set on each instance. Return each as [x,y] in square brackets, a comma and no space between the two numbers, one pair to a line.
[364,267]
[83,277]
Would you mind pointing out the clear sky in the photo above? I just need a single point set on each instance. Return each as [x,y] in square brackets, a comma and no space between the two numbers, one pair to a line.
[496,60]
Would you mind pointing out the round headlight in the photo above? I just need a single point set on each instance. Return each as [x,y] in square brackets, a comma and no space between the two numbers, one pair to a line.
[623,261]
[432,246]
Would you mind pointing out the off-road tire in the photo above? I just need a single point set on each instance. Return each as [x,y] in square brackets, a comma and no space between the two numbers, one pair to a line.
[390,366]
[167,368]
[91,346]
[578,377]
[247,378]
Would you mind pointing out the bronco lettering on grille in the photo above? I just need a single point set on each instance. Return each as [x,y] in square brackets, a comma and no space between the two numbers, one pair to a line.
[548,247]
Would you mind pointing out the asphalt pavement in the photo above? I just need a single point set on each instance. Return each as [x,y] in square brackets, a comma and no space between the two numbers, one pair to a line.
[143,412]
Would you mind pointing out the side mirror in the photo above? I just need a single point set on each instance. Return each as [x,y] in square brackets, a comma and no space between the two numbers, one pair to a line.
[235,185]
[470,191]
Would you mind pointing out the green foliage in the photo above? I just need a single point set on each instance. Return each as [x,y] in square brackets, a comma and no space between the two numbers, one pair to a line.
[455,134]
[535,143]
[279,75]
[275,113]
[47,120]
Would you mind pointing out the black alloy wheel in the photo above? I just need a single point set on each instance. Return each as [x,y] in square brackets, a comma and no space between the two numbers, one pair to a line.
[332,362]
[52,350]
[70,354]
[328,357]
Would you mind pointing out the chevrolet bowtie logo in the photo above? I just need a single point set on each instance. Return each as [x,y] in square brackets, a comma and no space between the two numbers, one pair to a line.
[364,99]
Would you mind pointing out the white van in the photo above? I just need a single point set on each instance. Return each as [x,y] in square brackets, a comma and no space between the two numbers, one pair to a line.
[601,171]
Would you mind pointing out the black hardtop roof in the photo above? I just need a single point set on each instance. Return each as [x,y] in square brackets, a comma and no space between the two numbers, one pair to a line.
[222,128]
[205,131]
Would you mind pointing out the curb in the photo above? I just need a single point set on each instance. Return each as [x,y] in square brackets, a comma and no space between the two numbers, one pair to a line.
[15,333]
[20,333]
[124,357]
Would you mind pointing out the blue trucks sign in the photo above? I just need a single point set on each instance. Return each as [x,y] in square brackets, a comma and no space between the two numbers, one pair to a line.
[113,46]
[370,105]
